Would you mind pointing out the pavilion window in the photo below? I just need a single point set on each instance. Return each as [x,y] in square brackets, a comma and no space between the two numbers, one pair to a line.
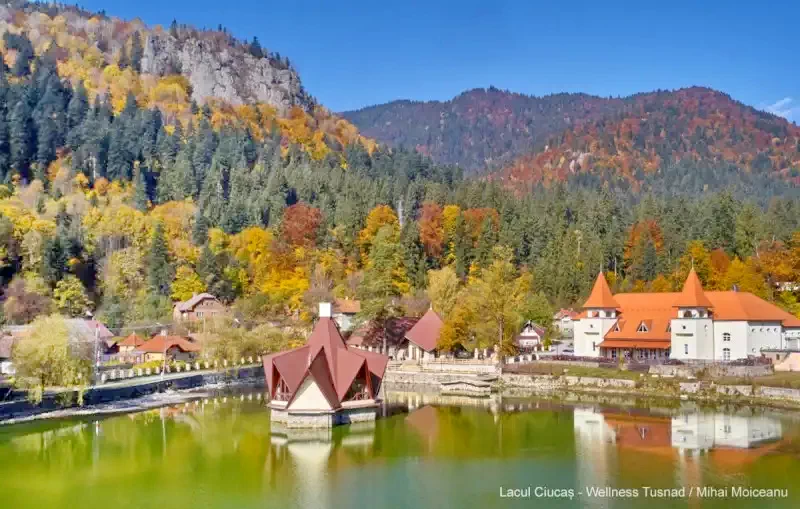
[282,391]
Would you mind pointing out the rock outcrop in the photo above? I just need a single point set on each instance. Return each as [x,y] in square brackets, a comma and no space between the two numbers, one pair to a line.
[227,73]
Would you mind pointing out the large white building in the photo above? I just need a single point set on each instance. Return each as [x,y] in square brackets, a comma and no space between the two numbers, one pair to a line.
[692,324]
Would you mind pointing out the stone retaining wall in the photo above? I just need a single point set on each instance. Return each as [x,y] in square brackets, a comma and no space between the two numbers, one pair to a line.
[712,370]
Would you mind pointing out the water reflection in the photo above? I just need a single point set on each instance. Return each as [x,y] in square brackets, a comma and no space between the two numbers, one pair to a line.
[458,449]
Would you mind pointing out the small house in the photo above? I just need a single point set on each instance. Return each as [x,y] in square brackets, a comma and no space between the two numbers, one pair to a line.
[174,348]
[344,313]
[564,322]
[199,307]
[531,336]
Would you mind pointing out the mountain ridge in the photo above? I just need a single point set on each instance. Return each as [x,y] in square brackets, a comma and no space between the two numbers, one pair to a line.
[534,124]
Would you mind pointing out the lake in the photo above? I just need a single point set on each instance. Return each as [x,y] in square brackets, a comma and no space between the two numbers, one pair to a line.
[426,451]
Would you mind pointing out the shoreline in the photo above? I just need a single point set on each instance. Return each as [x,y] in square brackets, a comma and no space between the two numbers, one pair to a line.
[134,405]
[544,387]
[664,389]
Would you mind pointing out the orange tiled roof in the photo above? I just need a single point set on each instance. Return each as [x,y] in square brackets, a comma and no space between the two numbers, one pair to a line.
[132,340]
[159,344]
[692,295]
[601,296]
[656,310]
[347,306]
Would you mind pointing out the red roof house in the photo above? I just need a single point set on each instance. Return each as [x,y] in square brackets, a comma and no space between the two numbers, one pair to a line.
[425,333]
[323,382]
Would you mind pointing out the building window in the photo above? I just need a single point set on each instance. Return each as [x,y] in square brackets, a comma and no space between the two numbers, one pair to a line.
[726,428]
[686,349]
[726,336]
[594,346]
[669,328]
[687,314]
[642,327]
[726,354]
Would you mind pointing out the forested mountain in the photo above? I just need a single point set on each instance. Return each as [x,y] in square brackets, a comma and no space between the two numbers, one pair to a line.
[689,136]
[688,140]
[124,190]
[480,128]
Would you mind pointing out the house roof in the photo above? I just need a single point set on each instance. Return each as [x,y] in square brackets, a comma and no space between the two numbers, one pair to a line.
[159,344]
[132,340]
[347,306]
[196,299]
[565,313]
[692,295]
[539,330]
[656,311]
[372,333]
[425,333]
[326,358]
[601,296]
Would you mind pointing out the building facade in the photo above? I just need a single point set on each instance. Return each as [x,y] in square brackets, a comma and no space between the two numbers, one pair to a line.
[690,325]
[199,307]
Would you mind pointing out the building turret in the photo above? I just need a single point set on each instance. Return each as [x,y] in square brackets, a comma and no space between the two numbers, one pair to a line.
[693,329]
[600,314]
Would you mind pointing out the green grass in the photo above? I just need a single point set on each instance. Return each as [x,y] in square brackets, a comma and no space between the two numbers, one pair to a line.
[790,380]
[544,368]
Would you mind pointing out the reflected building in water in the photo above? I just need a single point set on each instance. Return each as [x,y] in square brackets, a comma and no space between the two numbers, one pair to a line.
[699,432]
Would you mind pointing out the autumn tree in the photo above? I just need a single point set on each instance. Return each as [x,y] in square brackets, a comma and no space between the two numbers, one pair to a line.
[431,229]
[300,224]
[70,297]
[186,284]
[45,358]
[443,289]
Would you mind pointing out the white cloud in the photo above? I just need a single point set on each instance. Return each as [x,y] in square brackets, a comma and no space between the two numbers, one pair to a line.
[787,108]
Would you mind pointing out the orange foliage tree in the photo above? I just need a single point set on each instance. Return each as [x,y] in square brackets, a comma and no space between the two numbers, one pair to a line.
[431,229]
[300,224]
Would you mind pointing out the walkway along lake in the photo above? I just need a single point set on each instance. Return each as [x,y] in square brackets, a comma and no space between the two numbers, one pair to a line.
[426,451]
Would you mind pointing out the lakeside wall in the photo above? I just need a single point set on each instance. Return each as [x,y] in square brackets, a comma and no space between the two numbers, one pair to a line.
[646,387]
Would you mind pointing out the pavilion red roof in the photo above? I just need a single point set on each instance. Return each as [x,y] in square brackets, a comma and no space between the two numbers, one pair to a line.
[331,364]
[425,333]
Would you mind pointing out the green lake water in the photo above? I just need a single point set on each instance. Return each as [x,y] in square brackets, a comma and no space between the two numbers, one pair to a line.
[427,451]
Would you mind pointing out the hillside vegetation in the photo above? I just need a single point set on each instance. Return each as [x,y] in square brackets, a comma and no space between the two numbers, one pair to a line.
[120,199]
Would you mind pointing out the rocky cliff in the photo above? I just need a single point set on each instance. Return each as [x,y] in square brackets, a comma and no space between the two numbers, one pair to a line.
[228,73]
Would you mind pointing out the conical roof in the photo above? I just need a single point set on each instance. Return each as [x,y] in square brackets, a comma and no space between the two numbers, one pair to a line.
[601,296]
[692,295]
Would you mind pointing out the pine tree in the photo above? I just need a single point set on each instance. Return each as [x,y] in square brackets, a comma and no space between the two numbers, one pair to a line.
[54,260]
[413,255]
[141,196]
[159,271]
[463,247]
[255,48]
[199,229]
[78,106]
[486,242]
[21,139]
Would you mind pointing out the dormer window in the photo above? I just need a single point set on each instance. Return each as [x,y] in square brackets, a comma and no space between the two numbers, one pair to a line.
[642,328]
[669,327]
[616,327]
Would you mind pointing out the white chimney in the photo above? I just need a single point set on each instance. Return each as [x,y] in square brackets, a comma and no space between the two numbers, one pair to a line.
[324,309]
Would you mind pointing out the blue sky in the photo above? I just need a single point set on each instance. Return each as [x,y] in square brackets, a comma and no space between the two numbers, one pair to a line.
[354,53]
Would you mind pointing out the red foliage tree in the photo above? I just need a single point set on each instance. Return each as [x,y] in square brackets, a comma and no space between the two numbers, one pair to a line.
[301,224]
[431,229]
